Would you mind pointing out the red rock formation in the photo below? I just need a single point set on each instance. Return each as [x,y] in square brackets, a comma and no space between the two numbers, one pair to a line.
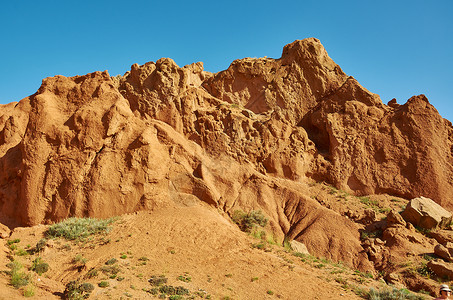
[249,137]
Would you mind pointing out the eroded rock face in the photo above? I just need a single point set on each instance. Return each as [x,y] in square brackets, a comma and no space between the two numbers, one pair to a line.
[249,137]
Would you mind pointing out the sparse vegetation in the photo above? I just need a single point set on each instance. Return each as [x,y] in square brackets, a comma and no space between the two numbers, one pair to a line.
[15,241]
[111,261]
[373,204]
[370,234]
[79,228]
[79,260]
[364,274]
[12,244]
[21,252]
[185,278]
[29,291]
[18,277]
[390,294]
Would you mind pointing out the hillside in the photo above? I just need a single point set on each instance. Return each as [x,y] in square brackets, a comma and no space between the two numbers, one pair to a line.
[294,138]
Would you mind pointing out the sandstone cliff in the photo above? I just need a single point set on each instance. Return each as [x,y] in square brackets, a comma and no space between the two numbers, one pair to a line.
[251,137]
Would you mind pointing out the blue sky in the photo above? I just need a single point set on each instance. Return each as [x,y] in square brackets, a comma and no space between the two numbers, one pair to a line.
[396,49]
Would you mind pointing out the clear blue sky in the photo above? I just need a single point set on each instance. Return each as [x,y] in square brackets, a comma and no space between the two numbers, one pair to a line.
[396,49]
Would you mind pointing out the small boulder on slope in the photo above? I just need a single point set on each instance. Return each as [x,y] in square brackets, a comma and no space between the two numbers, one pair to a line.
[425,213]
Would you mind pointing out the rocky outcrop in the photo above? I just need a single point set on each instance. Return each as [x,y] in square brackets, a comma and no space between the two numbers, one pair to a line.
[250,137]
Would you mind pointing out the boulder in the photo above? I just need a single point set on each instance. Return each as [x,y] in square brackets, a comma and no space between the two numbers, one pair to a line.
[443,252]
[441,268]
[425,213]
[299,247]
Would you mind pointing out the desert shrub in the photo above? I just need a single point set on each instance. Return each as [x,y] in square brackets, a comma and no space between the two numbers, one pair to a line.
[111,261]
[79,259]
[78,228]
[423,270]
[157,280]
[40,245]
[171,290]
[91,273]
[103,284]
[110,269]
[393,294]
[39,266]
[21,252]
[247,221]
[77,291]
[18,277]
[29,291]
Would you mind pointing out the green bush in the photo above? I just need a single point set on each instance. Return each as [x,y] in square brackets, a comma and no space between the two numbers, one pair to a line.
[39,266]
[78,228]
[247,221]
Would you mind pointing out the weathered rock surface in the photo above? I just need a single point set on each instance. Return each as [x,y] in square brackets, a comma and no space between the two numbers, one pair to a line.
[441,268]
[299,247]
[426,213]
[444,252]
[442,236]
[249,137]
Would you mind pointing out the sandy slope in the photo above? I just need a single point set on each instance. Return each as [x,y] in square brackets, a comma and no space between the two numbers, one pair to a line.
[195,242]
